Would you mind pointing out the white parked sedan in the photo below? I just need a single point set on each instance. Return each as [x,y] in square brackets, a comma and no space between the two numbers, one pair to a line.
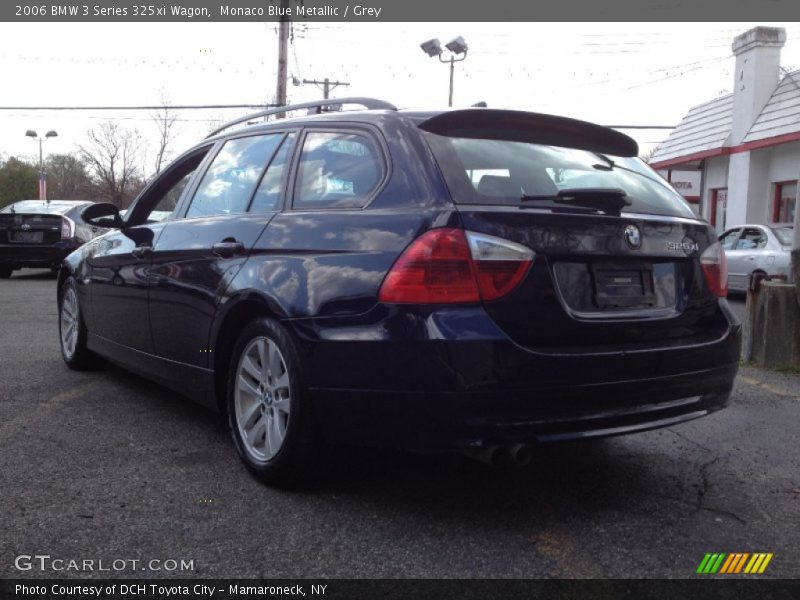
[756,249]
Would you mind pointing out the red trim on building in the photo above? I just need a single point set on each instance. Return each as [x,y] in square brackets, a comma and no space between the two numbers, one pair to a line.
[756,145]
[690,158]
[712,214]
[765,143]
[777,196]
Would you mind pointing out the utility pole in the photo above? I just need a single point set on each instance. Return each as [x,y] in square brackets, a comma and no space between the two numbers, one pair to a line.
[283,48]
[327,85]
[794,272]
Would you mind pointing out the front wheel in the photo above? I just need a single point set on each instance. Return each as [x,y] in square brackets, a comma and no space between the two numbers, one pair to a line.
[269,413]
[5,272]
[72,331]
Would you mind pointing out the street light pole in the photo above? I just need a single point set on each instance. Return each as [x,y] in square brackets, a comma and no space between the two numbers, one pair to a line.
[456,47]
[42,179]
[452,71]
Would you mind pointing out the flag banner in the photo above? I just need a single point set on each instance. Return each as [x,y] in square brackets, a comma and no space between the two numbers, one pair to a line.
[42,186]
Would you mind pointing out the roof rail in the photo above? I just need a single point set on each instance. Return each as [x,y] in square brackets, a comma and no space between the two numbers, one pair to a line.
[368,103]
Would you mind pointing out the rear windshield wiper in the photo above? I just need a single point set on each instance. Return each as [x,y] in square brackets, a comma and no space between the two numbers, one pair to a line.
[609,166]
[605,199]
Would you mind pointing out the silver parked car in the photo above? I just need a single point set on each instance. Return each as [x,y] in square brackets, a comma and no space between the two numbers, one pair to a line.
[756,249]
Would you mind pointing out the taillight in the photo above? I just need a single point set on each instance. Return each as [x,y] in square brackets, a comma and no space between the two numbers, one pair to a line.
[500,265]
[445,266]
[715,269]
[435,268]
[67,228]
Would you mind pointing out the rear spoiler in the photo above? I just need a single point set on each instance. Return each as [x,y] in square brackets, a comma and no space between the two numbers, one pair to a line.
[531,128]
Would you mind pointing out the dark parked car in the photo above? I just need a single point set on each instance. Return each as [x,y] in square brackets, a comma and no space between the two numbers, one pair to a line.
[40,233]
[476,280]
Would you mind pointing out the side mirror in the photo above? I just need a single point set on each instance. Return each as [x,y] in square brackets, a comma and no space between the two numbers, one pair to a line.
[103,214]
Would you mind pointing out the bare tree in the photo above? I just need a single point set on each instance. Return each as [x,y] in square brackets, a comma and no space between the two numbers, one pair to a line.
[67,177]
[164,119]
[646,156]
[111,158]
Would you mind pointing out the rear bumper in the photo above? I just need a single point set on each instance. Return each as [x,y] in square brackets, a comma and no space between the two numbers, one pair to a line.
[36,255]
[429,421]
[450,379]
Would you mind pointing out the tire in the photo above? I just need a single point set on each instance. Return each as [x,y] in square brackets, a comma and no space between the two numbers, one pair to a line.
[72,331]
[5,272]
[270,417]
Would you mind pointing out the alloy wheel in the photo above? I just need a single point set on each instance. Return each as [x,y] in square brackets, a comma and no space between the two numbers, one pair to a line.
[262,399]
[69,322]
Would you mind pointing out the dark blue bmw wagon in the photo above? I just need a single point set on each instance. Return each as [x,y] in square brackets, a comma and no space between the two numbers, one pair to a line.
[476,280]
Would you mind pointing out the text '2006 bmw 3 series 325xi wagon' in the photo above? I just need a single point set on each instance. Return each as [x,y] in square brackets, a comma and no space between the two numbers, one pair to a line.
[462,280]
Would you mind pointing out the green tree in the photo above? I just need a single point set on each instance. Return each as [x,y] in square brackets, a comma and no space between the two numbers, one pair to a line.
[18,181]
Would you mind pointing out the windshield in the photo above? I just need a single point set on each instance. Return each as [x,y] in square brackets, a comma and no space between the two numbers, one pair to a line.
[785,235]
[481,171]
[39,207]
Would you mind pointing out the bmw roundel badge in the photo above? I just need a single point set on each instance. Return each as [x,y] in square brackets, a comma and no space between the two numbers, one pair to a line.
[633,237]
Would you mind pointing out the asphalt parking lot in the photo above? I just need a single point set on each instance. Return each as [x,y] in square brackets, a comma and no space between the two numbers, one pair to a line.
[107,466]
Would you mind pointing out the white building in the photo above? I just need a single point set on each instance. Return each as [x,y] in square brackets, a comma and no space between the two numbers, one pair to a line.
[740,153]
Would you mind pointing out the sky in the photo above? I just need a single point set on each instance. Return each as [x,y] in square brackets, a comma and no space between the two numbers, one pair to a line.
[612,74]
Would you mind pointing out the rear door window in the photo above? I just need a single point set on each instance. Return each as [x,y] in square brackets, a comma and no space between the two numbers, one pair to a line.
[337,170]
[269,194]
[489,171]
[229,182]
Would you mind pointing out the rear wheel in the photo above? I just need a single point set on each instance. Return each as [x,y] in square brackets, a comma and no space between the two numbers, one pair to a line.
[5,272]
[269,414]
[72,331]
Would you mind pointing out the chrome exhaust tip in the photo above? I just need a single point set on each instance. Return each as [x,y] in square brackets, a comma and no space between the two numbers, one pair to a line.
[519,454]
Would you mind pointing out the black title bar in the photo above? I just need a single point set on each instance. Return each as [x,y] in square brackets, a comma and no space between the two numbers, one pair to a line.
[371,11]
[400,589]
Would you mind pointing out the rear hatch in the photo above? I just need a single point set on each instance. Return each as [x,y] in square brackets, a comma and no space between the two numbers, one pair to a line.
[25,228]
[618,251]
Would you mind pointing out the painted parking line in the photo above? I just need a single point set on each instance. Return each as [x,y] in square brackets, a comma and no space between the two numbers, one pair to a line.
[15,425]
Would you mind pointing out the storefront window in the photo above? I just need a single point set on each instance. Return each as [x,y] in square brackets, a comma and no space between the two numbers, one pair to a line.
[783,203]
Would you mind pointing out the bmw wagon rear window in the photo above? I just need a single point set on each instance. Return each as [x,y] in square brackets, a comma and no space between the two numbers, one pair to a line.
[483,171]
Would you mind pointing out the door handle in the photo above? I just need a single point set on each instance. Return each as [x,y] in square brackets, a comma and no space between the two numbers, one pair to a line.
[142,251]
[227,248]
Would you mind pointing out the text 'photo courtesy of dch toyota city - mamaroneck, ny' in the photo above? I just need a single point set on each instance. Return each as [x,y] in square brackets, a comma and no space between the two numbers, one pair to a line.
[422,300]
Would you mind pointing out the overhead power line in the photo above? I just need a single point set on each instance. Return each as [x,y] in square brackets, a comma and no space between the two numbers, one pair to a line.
[641,126]
[153,107]
[216,106]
